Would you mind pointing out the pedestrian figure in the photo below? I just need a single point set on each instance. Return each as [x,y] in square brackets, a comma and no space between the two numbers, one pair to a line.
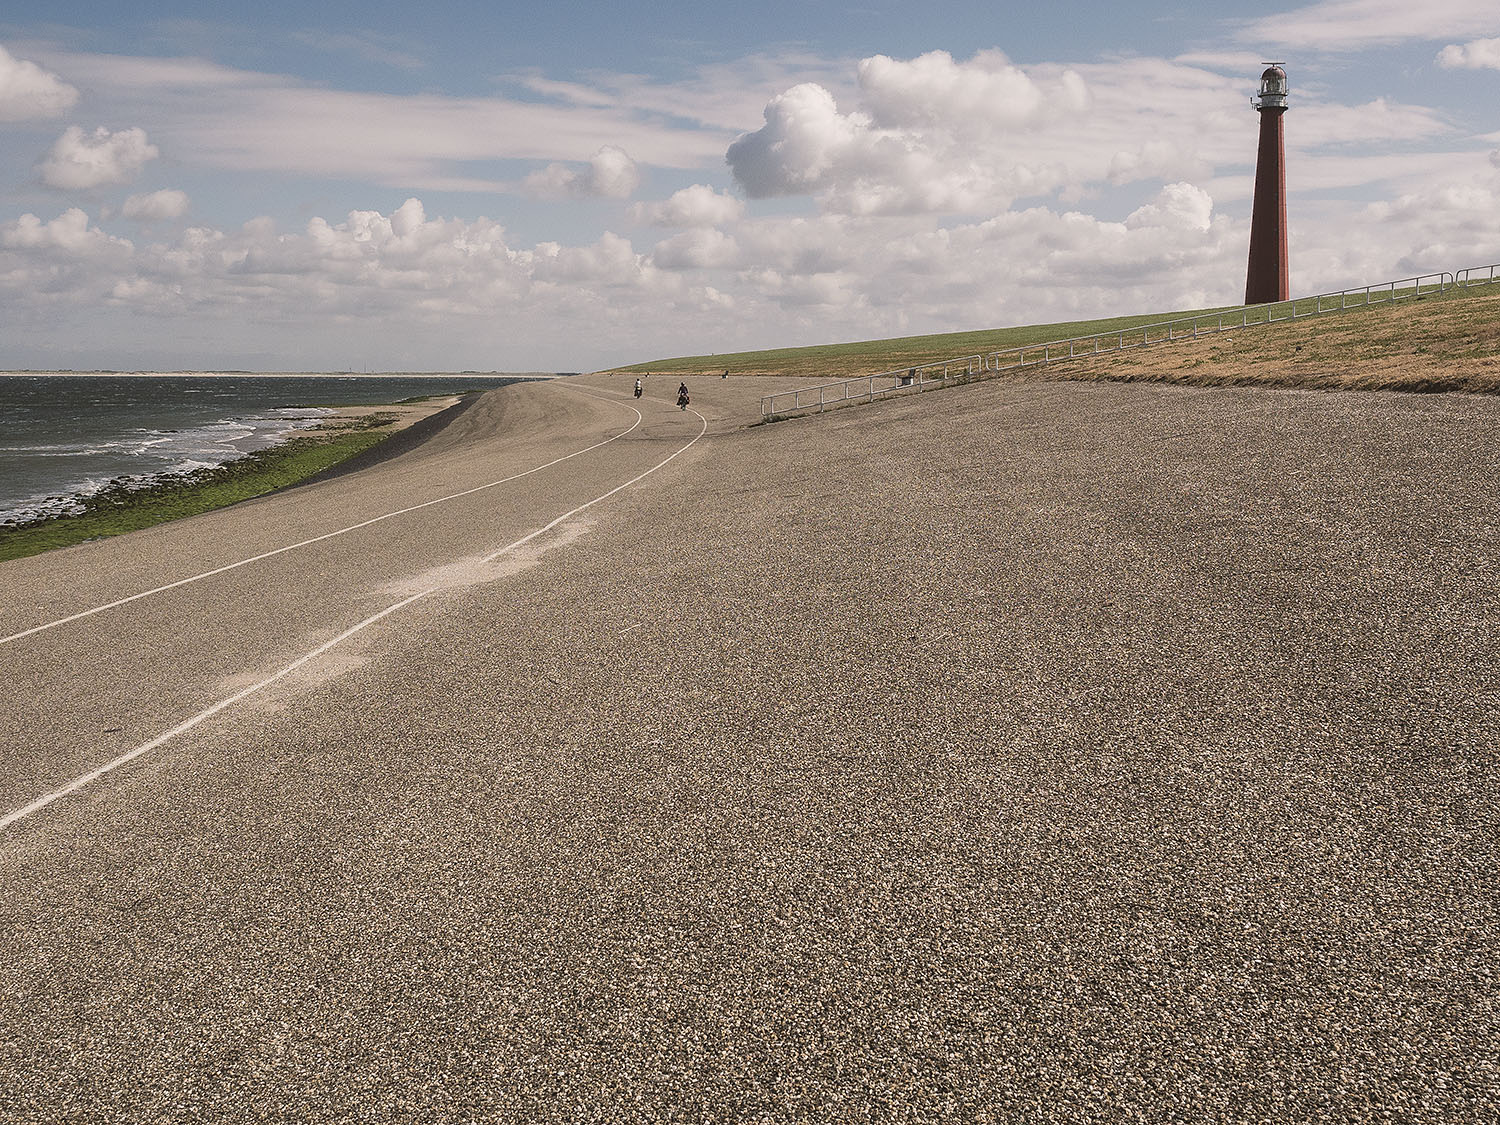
[682,397]
[637,388]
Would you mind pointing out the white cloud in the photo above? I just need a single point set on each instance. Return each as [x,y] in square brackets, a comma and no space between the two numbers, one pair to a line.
[246,121]
[1481,54]
[985,93]
[1376,121]
[611,261]
[914,168]
[405,279]
[168,203]
[696,249]
[611,174]
[1445,226]
[804,138]
[65,260]
[408,219]
[69,232]
[28,92]
[721,96]
[1348,25]
[1176,207]
[695,206]
[933,135]
[79,160]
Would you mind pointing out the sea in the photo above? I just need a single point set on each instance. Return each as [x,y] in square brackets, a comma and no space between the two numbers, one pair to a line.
[63,437]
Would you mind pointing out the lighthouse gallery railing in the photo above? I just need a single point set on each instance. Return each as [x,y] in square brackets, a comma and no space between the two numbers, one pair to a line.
[950,372]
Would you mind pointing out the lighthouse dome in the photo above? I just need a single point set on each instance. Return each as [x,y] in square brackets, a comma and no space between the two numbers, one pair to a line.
[1273,88]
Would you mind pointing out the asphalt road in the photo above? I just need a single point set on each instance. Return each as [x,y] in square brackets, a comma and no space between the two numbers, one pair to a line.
[1023,752]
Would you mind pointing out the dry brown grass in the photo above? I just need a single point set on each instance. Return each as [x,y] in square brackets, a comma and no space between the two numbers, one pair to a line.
[1435,344]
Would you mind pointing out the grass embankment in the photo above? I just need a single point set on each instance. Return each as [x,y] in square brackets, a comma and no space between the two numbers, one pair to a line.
[1438,343]
[119,508]
[838,361]
[1448,342]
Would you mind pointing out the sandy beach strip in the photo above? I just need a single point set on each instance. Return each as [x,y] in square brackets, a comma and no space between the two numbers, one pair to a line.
[401,415]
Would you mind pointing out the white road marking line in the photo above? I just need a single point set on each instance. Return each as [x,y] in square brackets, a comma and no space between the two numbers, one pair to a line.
[583,507]
[316,539]
[182,728]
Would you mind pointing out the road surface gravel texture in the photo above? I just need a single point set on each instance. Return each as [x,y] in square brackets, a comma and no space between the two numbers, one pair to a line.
[1026,752]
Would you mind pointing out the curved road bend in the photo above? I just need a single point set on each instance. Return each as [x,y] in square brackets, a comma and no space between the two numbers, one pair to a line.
[84,692]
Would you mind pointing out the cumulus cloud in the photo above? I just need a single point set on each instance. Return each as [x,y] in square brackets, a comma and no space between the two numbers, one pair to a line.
[984,93]
[804,137]
[28,92]
[1450,225]
[611,261]
[934,135]
[696,249]
[610,174]
[1481,54]
[70,231]
[830,274]
[1176,207]
[854,165]
[696,206]
[406,277]
[168,203]
[80,161]
[938,135]
[64,259]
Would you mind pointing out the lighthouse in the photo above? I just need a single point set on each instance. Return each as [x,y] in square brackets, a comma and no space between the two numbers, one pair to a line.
[1268,277]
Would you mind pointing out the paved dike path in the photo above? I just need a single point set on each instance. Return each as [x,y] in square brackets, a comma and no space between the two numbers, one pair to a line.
[1025,752]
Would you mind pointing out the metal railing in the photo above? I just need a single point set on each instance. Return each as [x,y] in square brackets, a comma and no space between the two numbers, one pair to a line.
[942,373]
[869,388]
[1477,275]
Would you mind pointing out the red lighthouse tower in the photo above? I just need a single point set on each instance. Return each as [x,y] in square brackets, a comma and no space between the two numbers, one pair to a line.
[1268,277]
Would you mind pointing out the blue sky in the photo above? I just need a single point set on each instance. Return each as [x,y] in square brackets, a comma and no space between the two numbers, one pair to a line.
[351,186]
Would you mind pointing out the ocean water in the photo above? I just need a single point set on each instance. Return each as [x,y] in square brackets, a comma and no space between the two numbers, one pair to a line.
[64,437]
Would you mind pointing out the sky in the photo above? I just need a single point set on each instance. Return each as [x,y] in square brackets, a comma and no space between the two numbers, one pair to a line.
[380,186]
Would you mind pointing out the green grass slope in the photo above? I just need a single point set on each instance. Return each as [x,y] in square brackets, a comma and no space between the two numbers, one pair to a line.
[1432,342]
[836,361]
